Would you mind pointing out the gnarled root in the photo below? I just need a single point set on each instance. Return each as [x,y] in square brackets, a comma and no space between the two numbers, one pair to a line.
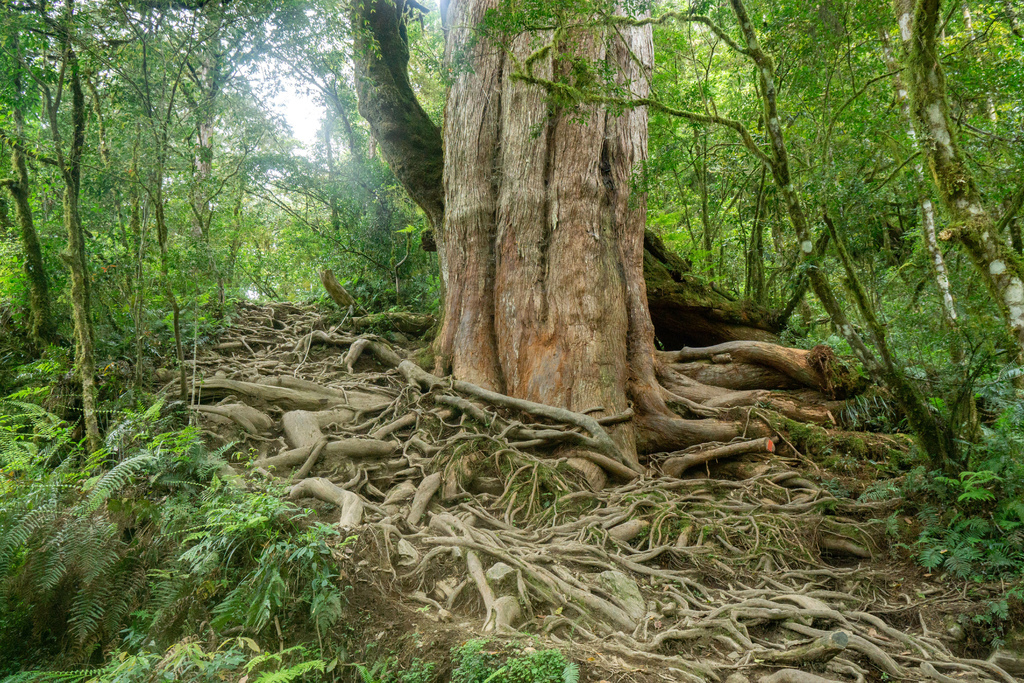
[317,487]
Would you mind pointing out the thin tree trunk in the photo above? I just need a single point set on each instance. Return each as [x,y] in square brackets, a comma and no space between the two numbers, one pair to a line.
[755,252]
[928,231]
[75,255]
[700,167]
[162,238]
[43,328]
[135,227]
[990,105]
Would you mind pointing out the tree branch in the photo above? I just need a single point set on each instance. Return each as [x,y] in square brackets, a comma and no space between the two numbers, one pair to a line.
[14,144]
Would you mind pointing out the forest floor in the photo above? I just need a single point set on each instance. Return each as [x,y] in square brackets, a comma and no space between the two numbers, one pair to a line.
[465,522]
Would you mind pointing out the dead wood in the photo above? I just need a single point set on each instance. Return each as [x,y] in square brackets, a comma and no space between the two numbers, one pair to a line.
[735,375]
[661,433]
[413,324]
[818,368]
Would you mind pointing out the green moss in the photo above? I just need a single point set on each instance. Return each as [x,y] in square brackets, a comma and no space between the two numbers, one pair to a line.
[425,358]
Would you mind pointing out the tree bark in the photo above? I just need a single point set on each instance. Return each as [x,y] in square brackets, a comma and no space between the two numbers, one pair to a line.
[409,140]
[70,165]
[542,251]
[927,208]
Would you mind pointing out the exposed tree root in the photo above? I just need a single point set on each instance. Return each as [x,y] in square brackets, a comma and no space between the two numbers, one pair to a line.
[498,512]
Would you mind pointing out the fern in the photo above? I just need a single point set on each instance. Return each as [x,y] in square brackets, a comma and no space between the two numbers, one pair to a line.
[117,478]
[292,673]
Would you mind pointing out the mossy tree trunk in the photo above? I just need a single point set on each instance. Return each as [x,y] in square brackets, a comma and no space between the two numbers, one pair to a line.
[75,256]
[43,328]
[408,139]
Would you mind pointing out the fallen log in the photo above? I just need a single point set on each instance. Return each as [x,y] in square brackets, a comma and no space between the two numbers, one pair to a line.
[660,433]
[818,368]
[735,375]
[414,324]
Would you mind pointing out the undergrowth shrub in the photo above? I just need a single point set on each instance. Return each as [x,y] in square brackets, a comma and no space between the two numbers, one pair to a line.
[126,550]
[971,526]
[193,662]
[480,661]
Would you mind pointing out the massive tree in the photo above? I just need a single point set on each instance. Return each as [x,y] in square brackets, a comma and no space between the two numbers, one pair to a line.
[540,240]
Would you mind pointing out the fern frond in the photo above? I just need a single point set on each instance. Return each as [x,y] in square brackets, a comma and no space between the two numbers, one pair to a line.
[87,611]
[292,673]
[117,477]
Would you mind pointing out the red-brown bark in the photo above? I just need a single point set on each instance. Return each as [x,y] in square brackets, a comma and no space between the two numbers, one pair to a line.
[542,249]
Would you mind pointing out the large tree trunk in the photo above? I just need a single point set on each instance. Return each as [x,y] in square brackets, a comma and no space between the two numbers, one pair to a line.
[541,250]
[409,140]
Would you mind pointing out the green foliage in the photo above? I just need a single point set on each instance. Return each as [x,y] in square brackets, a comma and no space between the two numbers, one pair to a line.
[973,524]
[147,548]
[480,661]
[195,663]
[387,671]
